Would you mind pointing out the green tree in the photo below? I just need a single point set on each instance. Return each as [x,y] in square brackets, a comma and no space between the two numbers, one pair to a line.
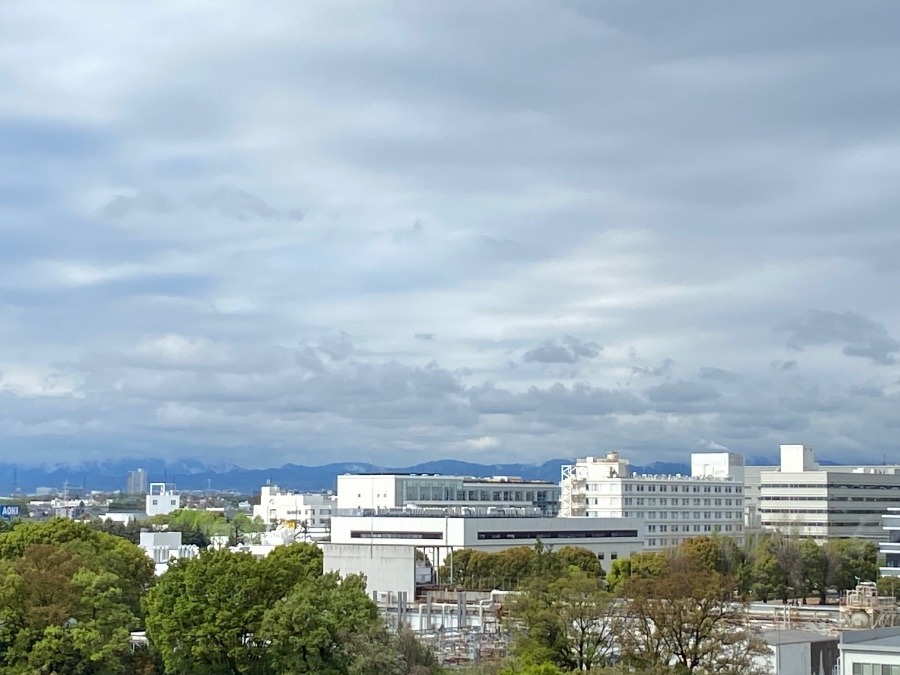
[684,617]
[582,558]
[858,562]
[61,615]
[568,621]
[97,550]
[204,614]
[820,568]
[310,630]
[640,565]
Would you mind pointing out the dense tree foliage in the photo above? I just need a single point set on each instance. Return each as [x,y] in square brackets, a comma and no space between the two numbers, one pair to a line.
[233,614]
[514,567]
[568,620]
[69,598]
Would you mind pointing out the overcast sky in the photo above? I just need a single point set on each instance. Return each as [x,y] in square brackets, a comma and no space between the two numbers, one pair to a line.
[490,231]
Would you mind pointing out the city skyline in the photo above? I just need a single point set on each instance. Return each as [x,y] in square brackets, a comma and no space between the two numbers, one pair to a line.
[394,233]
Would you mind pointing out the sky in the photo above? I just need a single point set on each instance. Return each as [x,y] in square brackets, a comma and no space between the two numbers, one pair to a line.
[402,231]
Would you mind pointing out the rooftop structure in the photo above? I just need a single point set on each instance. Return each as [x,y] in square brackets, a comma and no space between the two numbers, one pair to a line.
[162,499]
[674,507]
[393,490]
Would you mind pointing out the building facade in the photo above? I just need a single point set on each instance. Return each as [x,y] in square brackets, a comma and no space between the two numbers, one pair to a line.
[870,652]
[311,511]
[673,508]
[162,499]
[136,483]
[802,499]
[889,548]
[443,530]
[391,491]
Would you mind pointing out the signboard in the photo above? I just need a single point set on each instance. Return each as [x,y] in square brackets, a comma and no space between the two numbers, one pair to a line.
[9,511]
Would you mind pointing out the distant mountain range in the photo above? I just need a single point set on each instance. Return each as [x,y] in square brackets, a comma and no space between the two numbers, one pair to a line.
[196,475]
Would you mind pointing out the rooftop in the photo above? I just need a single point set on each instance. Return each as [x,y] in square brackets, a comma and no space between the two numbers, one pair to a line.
[790,637]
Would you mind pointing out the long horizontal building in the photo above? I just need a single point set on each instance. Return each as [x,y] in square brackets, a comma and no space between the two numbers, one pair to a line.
[673,507]
[388,546]
[826,503]
[397,490]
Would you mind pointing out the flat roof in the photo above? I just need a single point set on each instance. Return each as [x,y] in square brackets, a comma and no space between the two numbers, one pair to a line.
[789,637]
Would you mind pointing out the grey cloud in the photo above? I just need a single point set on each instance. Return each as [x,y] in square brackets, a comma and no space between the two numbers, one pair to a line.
[716,374]
[568,350]
[633,170]
[682,391]
[224,200]
[151,202]
[859,335]
[424,337]
[662,370]
[783,365]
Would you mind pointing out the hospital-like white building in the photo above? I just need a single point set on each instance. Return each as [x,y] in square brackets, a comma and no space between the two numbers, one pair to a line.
[673,507]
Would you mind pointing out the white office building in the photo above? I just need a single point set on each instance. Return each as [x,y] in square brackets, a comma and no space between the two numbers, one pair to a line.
[823,503]
[673,508]
[162,499]
[308,511]
[889,548]
[438,532]
[390,491]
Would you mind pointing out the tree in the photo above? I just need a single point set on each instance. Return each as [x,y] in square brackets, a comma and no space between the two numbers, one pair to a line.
[230,613]
[685,617]
[858,562]
[640,565]
[204,614]
[582,558]
[568,621]
[820,568]
[97,550]
[310,630]
[62,616]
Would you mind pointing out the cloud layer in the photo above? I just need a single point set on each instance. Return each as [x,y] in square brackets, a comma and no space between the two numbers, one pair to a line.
[401,231]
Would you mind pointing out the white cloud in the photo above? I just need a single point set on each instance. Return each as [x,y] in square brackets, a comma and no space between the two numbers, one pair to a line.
[388,231]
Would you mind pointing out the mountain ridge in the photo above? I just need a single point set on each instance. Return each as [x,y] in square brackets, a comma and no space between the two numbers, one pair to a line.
[195,475]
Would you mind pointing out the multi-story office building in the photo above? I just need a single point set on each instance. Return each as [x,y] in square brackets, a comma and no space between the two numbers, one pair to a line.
[674,508]
[890,546]
[824,503]
[309,511]
[136,483]
[390,491]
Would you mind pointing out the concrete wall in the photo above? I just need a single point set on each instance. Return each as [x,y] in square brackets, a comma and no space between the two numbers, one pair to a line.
[388,569]
[368,492]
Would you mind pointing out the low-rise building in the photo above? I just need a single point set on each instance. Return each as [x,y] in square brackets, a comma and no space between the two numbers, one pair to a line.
[162,499]
[800,652]
[870,652]
[310,512]
[803,499]
[397,490]
[673,507]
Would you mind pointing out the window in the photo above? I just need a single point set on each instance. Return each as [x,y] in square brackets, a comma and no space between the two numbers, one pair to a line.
[613,556]
[155,502]
[601,556]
